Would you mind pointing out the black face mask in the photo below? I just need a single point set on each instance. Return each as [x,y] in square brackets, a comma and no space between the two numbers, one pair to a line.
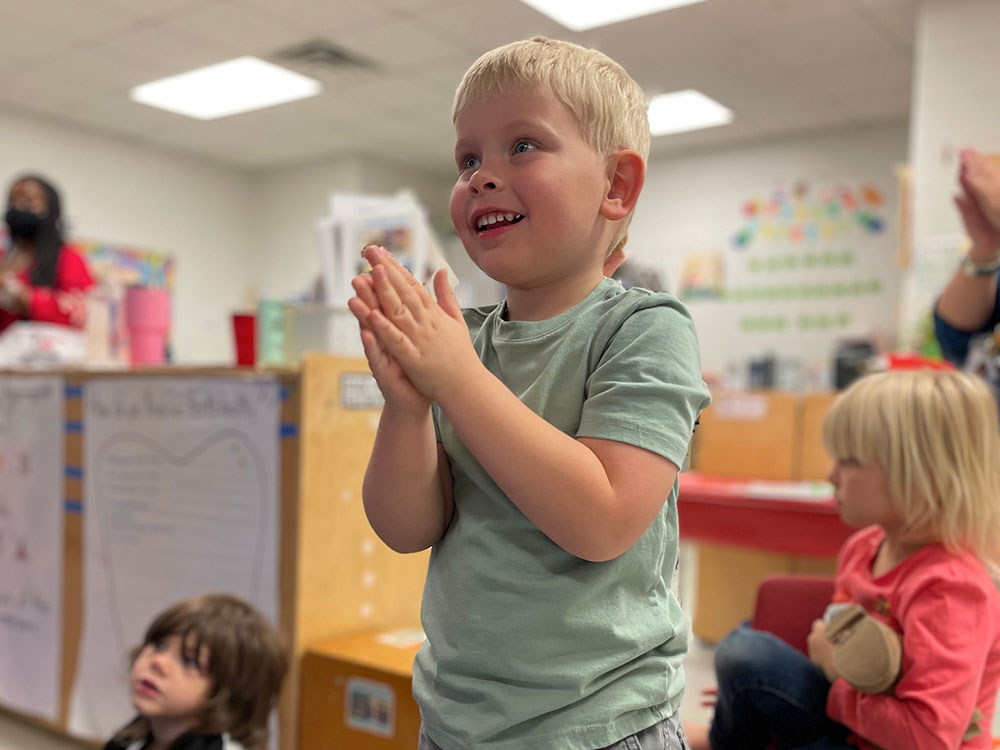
[23,225]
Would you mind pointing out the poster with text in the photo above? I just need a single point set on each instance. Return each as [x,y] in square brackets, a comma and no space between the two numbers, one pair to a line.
[31,544]
[181,498]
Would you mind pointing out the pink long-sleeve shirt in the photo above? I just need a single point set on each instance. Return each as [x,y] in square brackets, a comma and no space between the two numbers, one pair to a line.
[947,608]
[54,305]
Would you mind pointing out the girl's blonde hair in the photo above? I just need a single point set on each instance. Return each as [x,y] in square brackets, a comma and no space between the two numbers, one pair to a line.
[608,104]
[246,665]
[937,436]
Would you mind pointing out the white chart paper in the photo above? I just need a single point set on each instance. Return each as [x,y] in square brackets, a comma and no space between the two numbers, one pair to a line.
[31,544]
[181,498]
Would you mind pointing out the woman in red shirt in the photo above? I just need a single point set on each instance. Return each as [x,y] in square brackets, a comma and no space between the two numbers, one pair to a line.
[41,277]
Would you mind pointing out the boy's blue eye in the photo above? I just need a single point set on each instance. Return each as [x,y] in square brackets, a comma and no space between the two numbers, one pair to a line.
[470,162]
[522,147]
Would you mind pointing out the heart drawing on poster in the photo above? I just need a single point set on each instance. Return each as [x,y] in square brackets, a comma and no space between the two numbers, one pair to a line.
[175,524]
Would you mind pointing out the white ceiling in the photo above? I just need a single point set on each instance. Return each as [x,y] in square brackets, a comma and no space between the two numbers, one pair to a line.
[782,66]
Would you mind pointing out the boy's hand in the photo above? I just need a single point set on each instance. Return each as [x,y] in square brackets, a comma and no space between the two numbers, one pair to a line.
[428,339]
[397,389]
[821,650]
[979,204]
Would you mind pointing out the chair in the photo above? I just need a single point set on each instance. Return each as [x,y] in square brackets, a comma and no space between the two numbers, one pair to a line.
[787,605]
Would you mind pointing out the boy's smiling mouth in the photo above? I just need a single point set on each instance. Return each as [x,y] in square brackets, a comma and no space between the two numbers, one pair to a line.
[495,219]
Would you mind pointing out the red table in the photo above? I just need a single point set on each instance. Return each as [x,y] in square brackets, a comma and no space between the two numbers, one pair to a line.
[760,515]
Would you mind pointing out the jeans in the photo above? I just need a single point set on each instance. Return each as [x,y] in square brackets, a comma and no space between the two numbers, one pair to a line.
[770,695]
[666,735]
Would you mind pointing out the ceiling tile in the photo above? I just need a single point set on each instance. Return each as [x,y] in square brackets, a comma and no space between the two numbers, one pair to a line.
[103,67]
[244,28]
[24,41]
[873,105]
[399,44]
[847,77]
[323,18]
[167,50]
[68,20]
[841,38]
[480,27]
[149,8]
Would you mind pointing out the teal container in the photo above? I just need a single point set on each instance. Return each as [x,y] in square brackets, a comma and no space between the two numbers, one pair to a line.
[271,333]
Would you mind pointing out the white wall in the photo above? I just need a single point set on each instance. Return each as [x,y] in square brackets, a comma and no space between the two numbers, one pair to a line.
[287,204]
[956,104]
[126,194]
[289,201]
[692,204]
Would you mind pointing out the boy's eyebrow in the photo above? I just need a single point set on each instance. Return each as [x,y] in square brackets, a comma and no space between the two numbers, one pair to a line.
[465,144]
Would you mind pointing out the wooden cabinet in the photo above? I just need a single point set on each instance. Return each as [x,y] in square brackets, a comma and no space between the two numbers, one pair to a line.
[335,578]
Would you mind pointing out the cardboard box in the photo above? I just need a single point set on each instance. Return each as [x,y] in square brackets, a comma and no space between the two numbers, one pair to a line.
[356,693]
[814,463]
[747,435]
[764,435]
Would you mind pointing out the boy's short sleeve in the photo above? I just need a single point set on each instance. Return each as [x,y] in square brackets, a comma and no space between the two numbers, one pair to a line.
[646,389]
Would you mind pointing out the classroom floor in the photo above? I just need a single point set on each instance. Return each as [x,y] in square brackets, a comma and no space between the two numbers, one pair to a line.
[14,735]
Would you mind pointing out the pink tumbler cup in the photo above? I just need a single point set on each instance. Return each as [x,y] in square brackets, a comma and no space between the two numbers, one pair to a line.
[147,318]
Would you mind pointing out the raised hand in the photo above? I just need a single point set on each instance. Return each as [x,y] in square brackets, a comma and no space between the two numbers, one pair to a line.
[979,204]
[428,339]
[980,176]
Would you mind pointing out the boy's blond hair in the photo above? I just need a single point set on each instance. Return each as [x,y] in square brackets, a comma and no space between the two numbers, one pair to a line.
[608,104]
[937,436]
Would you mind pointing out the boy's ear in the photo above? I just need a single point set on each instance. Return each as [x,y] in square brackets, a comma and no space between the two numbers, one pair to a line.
[626,175]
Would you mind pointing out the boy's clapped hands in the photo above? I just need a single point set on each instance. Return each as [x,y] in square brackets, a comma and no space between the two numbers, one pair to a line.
[416,346]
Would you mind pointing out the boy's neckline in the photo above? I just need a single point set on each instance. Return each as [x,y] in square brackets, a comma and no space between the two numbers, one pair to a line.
[536,306]
[503,314]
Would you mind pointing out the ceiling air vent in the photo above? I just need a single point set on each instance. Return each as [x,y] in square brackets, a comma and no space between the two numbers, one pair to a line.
[320,54]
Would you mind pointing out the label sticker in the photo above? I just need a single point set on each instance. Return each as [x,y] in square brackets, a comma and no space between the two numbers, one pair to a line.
[370,707]
[360,391]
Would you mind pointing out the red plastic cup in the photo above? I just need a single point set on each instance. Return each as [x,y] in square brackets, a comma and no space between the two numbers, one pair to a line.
[147,319]
[245,332]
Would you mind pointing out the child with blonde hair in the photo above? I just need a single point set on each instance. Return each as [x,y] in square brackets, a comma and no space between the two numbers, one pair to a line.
[535,445]
[206,677]
[917,466]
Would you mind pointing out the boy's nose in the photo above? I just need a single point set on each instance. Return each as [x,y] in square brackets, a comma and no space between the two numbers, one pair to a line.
[485,182]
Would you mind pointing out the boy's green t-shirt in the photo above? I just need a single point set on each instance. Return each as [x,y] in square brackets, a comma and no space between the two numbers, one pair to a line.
[529,646]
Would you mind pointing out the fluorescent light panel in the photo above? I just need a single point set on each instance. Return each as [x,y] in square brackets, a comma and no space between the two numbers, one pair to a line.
[580,15]
[685,110]
[228,88]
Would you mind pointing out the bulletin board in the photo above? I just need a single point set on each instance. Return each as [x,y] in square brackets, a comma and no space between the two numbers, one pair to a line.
[181,482]
[118,266]
[805,266]
[31,545]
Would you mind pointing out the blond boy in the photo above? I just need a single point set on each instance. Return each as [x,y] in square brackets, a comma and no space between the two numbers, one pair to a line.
[538,458]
